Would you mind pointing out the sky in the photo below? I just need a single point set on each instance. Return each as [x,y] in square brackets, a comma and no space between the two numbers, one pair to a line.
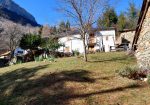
[45,11]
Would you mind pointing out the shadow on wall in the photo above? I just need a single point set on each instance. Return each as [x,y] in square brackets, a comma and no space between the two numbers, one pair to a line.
[18,88]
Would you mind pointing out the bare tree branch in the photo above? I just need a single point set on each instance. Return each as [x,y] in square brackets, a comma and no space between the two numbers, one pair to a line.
[84,13]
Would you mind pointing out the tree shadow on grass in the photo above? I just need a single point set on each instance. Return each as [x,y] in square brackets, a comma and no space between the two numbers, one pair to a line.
[17,87]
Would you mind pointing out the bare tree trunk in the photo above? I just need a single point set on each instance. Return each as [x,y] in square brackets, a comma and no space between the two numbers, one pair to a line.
[85,52]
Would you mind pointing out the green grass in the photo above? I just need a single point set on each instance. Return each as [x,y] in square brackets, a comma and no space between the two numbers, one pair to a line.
[71,81]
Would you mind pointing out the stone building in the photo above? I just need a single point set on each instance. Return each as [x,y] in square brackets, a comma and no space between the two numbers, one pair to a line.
[125,37]
[141,42]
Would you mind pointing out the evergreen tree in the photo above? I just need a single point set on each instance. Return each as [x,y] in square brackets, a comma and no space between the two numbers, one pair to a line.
[122,22]
[68,25]
[30,41]
[62,26]
[108,19]
[132,15]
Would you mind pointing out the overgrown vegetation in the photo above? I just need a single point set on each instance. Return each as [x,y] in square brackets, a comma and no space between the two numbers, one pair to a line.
[30,41]
[129,72]
[134,72]
[50,44]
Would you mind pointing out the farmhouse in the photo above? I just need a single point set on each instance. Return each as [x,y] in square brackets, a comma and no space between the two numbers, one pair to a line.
[104,40]
[141,42]
[96,41]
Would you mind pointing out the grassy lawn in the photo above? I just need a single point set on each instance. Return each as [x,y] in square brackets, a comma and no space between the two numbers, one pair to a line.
[70,81]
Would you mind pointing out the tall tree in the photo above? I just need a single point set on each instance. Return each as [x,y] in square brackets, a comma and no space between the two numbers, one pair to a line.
[62,26]
[132,15]
[108,19]
[83,13]
[68,25]
[122,22]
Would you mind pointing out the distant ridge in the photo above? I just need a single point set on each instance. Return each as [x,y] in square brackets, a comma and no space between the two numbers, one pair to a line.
[12,11]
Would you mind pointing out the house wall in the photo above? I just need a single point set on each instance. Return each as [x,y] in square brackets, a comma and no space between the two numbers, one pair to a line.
[143,44]
[71,43]
[129,35]
[105,39]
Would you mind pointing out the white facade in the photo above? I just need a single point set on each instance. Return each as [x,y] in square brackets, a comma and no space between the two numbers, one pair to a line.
[71,43]
[104,41]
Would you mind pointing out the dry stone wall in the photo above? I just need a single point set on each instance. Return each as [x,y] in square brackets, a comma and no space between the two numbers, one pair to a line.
[143,44]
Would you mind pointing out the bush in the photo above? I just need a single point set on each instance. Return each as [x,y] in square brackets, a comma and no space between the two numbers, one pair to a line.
[51,58]
[130,72]
[134,72]
[19,62]
[39,58]
[76,53]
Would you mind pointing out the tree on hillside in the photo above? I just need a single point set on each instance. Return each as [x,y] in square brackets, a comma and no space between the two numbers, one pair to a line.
[132,15]
[62,26]
[12,34]
[108,19]
[68,25]
[84,14]
[122,22]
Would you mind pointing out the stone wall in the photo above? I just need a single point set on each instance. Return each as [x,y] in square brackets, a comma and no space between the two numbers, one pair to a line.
[143,44]
[129,35]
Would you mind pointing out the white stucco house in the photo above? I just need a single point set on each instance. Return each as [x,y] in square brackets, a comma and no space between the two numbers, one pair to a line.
[71,43]
[103,40]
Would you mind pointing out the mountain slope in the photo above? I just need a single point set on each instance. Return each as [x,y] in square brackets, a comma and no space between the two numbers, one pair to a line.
[10,10]
[6,14]
[12,6]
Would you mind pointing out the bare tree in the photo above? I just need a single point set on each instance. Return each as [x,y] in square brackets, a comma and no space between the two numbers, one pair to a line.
[11,34]
[84,14]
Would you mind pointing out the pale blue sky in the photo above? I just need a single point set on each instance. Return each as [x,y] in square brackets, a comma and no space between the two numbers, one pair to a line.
[45,10]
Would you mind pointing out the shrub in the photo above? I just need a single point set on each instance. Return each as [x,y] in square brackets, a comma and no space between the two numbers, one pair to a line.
[134,72]
[51,58]
[76,53]
[144,73]
[19,62]
[50,44]
[39,58]
[129,72]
